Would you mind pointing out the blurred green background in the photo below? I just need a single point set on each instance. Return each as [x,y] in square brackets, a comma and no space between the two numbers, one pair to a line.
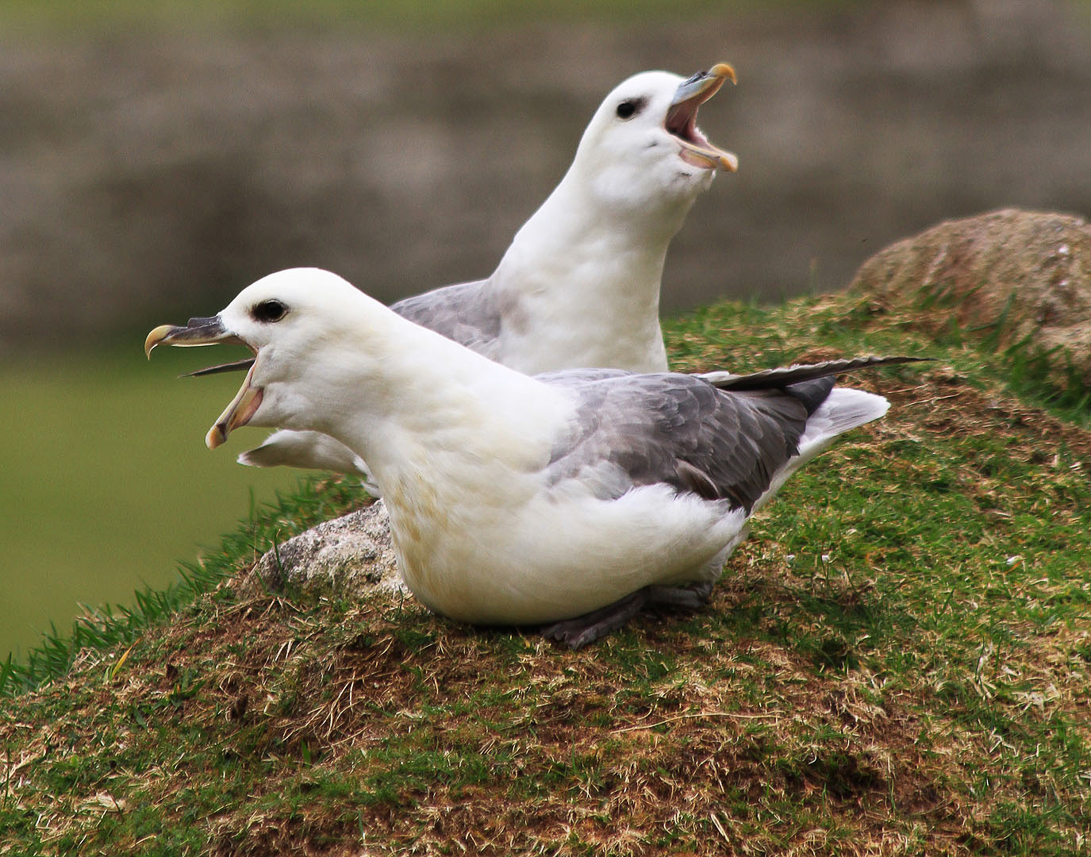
[157,157]
[107,481]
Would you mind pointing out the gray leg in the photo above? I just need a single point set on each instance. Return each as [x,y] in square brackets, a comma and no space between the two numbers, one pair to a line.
[577,633]
[680,597]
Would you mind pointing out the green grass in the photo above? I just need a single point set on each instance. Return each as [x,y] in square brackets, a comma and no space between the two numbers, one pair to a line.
[895,662]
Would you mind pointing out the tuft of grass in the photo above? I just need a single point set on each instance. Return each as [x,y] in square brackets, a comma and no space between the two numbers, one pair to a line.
[895,662]
[110,626]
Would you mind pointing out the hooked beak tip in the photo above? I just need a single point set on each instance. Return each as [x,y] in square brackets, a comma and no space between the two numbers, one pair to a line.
[215,436]
[155,337]
[723,69]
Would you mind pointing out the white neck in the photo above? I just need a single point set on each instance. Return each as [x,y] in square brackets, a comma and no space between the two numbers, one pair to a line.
[420,401]
[450,437]
[608,262]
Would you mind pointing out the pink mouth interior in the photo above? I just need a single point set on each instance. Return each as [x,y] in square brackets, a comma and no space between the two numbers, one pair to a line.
[682,122]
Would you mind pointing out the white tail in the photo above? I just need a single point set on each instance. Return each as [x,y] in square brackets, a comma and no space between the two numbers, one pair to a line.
[843,409]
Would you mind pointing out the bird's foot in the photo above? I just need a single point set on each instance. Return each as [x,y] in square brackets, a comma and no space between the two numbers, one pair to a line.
[582,630]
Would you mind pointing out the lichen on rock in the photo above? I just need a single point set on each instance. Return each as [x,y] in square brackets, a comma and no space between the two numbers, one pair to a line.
[349,555]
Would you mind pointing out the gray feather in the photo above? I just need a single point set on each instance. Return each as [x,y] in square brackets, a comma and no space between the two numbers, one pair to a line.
[680,431]
[720,436]
[466,313]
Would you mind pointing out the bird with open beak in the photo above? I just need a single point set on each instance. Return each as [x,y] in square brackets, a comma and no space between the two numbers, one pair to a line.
[572,498]
[580,283]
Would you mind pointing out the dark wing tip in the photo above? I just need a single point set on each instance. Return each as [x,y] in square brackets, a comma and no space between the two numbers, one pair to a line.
[785,376]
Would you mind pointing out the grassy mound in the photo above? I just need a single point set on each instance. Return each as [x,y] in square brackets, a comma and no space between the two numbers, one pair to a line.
[1017,280]
[896,661]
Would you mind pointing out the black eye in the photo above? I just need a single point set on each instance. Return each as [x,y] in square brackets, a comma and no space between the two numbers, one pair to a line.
[269,311]
[630,107]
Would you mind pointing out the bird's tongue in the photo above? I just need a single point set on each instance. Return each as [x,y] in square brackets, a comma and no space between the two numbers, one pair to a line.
[238,413]
[699,152]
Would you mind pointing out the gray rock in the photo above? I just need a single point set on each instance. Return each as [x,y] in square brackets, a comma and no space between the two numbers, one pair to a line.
[351,555]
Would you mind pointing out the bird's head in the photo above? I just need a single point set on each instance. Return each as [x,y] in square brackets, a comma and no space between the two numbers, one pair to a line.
[643,143]
[293,321]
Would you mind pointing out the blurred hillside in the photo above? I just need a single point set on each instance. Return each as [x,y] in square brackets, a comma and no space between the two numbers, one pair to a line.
[149,174]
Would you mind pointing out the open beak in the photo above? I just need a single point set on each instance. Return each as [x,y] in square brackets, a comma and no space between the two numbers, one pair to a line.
[681,119]
[211,331]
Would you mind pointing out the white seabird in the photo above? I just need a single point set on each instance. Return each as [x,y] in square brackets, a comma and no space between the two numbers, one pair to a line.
[579,285]
[572,497]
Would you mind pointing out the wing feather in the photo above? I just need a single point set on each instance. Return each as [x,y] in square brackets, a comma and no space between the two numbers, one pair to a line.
[786,375]
[719,435]
[466,313]
[680,431]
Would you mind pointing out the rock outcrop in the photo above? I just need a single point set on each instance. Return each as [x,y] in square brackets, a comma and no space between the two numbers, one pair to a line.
[1016,279]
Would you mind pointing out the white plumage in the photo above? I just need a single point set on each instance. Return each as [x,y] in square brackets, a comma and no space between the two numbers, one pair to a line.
[516,499]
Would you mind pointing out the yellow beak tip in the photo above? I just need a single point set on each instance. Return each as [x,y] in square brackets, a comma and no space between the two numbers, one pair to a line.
[155,337]
[215,437]
[723,69]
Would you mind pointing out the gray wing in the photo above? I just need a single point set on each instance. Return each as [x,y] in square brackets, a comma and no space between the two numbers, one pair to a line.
[466,313]
[681,431]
